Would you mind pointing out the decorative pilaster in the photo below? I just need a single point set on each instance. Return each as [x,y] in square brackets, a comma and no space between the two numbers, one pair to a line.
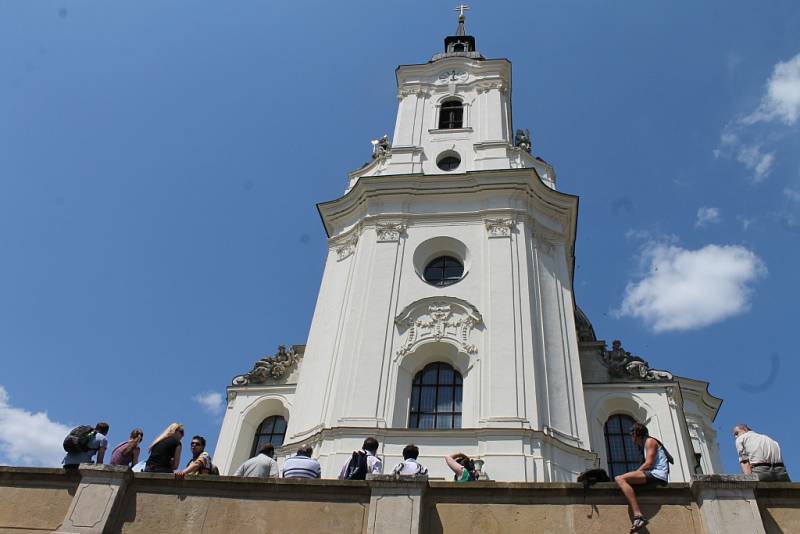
[728,503]
[395,504]
[503,367]
[97,500]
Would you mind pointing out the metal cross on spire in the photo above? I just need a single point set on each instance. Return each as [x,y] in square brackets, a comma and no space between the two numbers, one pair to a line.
[461,8]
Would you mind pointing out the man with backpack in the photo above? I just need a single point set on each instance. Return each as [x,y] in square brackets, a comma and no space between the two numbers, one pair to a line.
[409,465]
[82,443]
[363,462]
[653,472]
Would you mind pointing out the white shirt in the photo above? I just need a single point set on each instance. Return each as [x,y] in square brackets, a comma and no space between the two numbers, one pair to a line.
[374,466]
[757,448]
[259,466]
[410,467]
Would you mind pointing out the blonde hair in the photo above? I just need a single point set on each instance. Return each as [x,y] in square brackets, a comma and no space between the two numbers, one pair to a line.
[168,432]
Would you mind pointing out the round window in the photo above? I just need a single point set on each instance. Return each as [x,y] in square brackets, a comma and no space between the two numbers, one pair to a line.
[449,161]
[443,271]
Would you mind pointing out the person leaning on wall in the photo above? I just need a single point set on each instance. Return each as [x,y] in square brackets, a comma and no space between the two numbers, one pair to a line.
[759,455]
[165,451]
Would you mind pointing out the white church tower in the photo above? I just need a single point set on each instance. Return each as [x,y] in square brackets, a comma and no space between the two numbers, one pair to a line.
[446,315]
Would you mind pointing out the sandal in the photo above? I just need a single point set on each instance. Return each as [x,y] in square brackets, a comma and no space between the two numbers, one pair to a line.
[638,523]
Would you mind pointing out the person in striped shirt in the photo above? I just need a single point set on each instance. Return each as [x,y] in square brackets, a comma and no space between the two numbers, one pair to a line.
[302,465]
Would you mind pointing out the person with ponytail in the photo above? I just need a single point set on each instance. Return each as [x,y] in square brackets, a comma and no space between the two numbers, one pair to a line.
[463,467]
[165,451]
[127,452]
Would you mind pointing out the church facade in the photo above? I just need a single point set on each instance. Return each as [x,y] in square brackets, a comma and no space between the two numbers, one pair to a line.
[446,315]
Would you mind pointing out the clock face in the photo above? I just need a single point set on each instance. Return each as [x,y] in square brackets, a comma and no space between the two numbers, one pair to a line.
[453,76]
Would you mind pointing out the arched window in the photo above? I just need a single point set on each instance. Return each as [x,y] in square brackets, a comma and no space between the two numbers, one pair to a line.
[271,430]
[623,454]
[436,397]
[452,115]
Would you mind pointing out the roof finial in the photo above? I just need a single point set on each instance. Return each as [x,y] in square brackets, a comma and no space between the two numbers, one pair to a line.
[461,9]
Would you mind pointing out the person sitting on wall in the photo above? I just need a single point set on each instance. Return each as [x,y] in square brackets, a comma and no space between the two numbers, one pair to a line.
[362,463]
[302,465]
[759,455]
[653,472]
[262,465]
[200,464]
[463,467]
[409,465]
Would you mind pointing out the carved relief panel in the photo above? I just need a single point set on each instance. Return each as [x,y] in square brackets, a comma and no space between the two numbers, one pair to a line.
[437,319]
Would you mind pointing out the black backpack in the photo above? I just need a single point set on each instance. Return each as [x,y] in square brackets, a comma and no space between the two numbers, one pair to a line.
[78,439]
[593,476]
[357,468]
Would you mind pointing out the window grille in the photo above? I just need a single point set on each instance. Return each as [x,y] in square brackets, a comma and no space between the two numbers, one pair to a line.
[623,454]
[436,397]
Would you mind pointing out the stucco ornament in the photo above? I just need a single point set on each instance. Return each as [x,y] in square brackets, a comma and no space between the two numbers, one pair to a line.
[623,364]
[437,319]
[381,147]
[390,231]
[522,140]
[501,227]
[271,368]
[453,76]
[346,247]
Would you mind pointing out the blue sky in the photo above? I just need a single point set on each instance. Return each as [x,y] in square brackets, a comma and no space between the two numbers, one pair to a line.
[160,164]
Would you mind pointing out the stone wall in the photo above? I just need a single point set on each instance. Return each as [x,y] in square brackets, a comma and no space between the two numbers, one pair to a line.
[541,507]
[34,500]
[219,505]
[779,507]
[103,499]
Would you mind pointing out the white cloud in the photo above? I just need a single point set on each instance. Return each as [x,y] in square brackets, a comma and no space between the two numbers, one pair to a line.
[782,98]
[792,194]
[210,401]
[690,289]
[747,222]
[707,216]
[740,140]
[756,161]
[750,155]
[30,439]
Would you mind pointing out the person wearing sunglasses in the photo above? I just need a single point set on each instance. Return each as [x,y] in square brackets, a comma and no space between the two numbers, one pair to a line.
[200,464]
